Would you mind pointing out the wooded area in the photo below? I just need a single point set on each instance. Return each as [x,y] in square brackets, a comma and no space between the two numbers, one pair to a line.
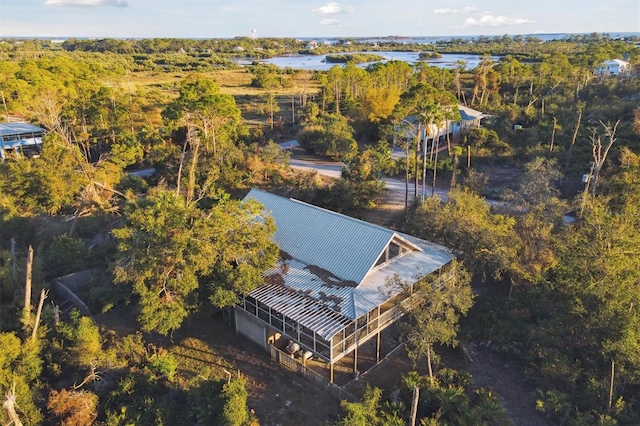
[553,259]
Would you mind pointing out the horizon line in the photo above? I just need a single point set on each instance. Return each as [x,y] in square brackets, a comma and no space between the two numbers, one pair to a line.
[610,33]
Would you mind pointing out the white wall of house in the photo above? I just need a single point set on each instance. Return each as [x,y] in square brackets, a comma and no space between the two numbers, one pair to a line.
[615,67]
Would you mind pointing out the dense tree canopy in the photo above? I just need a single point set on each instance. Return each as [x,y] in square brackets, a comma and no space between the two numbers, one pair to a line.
[558,292]
[168,250]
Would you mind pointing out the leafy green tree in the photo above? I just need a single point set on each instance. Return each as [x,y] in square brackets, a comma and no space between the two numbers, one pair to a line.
[214,114]
[86,349]
[20,368]
[166,247]
[234,409]
[65,255]
[378,103]
[330,135]
[604,273]
[163,364]
[539,214]
[161,251]
[487,242]
[369,411]
[48,184]
[359,185]
[310,112]
[486,143]
[244,249]
[213,124]
[139,398]
[268,162]
[434,311]
[585,313]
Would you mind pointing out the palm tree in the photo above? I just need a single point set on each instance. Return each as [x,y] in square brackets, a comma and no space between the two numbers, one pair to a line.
[456,151]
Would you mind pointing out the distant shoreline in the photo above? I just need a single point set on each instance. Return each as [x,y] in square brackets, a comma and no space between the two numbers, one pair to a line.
[388,38]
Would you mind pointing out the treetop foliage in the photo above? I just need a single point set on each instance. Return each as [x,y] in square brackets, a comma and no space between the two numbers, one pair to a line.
[560,295]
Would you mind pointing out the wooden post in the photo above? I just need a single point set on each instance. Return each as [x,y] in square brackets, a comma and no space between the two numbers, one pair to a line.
[414,405]
[43,295]
[27,284]
[553,134]
[378,348]
[468,156]
[331,372]
[611,386]
[355,359]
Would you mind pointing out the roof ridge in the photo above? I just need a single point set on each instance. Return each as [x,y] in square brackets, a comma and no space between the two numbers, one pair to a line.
[323,238]
[363,222]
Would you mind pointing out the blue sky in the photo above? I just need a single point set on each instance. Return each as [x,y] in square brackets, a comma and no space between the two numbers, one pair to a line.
[309,18]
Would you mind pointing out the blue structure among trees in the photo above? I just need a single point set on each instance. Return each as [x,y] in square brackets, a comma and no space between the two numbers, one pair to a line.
[20,139]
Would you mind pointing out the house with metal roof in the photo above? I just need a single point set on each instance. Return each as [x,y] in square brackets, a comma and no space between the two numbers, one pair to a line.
[20,139]
[469,119]
[336,284]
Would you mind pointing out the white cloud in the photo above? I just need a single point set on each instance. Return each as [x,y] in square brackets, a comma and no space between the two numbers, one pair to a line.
[330,22]
[332,9]
[495,21]
[449,11]
[86,3]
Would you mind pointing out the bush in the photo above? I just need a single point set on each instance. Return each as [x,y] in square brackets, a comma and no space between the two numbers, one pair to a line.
[64,256]
[234,411]
[163,364]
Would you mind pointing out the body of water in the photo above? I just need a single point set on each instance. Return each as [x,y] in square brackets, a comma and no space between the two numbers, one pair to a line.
[434,39]
[318,62]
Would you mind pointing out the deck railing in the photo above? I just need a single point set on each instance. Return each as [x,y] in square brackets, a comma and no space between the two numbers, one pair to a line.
[295,366]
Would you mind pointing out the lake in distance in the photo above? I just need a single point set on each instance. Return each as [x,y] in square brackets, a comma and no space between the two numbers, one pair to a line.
[318,62]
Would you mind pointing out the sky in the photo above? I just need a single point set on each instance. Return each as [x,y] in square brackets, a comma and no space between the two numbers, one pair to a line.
[310,18]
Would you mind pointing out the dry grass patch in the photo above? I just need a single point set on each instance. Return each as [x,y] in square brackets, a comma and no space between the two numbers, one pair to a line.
[250,100]
[196,358]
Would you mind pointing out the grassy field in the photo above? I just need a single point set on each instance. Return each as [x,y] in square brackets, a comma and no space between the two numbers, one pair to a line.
[250,100]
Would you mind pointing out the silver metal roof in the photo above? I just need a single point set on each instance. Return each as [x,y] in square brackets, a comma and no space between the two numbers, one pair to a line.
[469,114]
[8,129]
[316,296]
[345,246]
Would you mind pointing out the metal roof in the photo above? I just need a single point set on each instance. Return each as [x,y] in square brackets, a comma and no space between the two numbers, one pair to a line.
[343,245]
[302,309]
[315,296]
[8,129]
[470,114]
